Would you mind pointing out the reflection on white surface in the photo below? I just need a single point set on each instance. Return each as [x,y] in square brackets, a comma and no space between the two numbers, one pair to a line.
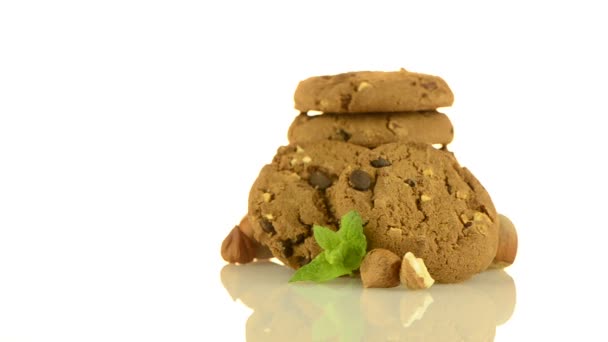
[342,310]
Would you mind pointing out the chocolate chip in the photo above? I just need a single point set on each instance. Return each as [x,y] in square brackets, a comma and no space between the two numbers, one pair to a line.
[302,260]
[410,182]
[300,238]
[360,180]
[468,224]
[430,85]
[287,248]
[344,135]
[345,101]
[380,162]
[484,210]
[319,180]
[267,226]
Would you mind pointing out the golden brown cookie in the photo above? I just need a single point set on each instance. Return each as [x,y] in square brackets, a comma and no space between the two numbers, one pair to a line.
[373,129]
[412,198]
[373,91]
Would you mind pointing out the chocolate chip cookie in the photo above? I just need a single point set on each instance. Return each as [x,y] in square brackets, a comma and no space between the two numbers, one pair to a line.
[373,91]
[412,198]
[373,129]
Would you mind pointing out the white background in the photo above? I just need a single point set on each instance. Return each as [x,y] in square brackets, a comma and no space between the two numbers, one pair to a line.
[131,131]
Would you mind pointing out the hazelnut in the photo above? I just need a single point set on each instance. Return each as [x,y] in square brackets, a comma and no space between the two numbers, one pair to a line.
[413,307]
[261,251]
[380,268]
[245,227]
[507,243]
[238,247]
[414,274]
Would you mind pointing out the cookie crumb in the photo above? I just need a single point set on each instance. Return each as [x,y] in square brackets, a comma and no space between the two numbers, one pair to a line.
[462,194]
[363,85]
[395,233]
[267,197]
[480,217]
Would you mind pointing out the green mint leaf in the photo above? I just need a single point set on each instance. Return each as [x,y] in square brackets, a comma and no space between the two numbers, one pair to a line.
[340,317]
[351,230]
[319,270]
[351,226]
[326,238]
[343,251]
[336,256]
[353,256]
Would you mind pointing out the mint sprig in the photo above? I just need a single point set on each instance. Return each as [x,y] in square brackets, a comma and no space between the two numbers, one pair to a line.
[342,252]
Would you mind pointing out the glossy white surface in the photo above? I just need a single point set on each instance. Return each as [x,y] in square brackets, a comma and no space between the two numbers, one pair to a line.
[131,131]
[343,311]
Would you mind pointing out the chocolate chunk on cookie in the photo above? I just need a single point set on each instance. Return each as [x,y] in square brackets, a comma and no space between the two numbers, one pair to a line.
[412,198]
[372,91]
[360,180]
[380,162]
[373,129]
[319,180]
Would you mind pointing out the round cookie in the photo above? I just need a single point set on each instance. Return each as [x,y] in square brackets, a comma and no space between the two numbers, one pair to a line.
[412,198]
[373,129]
[373,91]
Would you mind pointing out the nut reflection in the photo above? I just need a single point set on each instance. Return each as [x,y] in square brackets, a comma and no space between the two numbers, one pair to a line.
[414,307]
[342,310]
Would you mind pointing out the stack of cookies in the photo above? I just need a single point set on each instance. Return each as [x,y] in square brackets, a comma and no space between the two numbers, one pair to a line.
[373,108]
[365,141]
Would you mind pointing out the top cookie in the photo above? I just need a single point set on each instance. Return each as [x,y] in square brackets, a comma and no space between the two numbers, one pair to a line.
[373,91]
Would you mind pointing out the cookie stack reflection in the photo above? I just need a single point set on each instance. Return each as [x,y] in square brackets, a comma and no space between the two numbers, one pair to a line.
[374,142]
[340,311]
